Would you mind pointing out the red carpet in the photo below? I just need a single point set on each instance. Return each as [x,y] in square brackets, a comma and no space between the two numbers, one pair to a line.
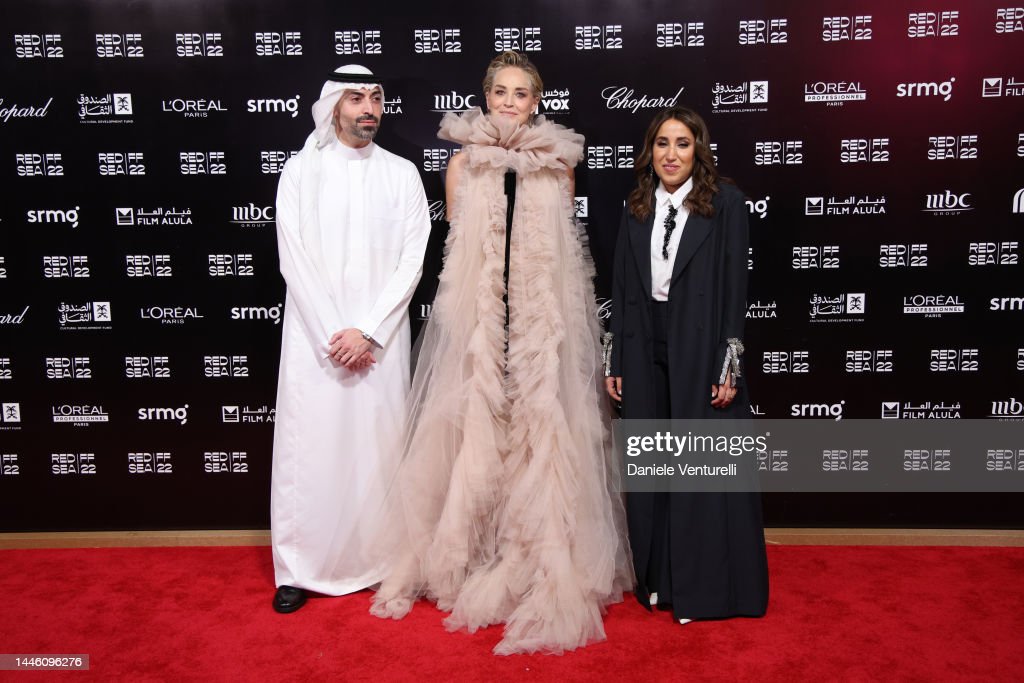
[836,613]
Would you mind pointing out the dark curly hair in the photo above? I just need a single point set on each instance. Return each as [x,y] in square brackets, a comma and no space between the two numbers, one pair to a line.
[705,174]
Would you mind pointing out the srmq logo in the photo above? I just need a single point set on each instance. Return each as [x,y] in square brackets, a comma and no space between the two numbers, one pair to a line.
[942,89]
[274,106]
[833,410]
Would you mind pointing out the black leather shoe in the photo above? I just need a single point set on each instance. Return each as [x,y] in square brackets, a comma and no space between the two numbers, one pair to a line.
[289,599]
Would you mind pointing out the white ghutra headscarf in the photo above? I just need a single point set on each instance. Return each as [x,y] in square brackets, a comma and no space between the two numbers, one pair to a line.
[349,77]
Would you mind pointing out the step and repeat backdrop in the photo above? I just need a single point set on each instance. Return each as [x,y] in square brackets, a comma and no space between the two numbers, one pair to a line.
[880,144]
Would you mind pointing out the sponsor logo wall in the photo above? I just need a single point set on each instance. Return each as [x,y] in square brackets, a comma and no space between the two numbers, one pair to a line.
[880,148]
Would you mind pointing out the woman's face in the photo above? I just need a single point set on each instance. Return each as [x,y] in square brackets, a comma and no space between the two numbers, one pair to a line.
[672,154]
[511,96]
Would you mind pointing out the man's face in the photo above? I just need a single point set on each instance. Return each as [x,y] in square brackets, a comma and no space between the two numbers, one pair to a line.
[357,116]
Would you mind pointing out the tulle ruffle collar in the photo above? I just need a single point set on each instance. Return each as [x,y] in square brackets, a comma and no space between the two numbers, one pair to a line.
[502,144]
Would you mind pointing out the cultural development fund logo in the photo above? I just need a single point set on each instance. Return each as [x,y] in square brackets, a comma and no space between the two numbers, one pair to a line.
[453,102]
[252,216]
[834,93]
[109,108]
[838,308]
[947,203]
[289,106]
[10,418]
[624,97]
[79,415]
[581,207]
[92,315]
[739,97]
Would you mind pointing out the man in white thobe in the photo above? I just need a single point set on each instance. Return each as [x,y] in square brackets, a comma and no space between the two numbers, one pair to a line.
[352,226]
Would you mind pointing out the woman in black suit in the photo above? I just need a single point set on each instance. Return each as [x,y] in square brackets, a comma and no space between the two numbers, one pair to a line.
[678,308]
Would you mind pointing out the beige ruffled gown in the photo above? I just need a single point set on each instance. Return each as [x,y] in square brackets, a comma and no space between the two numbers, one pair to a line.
[505,507]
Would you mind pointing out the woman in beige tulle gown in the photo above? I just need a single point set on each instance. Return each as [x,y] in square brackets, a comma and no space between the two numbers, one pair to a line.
[504,509]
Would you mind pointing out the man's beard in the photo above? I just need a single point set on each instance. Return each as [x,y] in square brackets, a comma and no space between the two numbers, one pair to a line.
[362,132]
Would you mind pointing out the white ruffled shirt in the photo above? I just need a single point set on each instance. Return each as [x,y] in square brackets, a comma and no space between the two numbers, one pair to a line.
[661,268]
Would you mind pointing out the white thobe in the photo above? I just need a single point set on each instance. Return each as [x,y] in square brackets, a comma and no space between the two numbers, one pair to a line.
[338,433]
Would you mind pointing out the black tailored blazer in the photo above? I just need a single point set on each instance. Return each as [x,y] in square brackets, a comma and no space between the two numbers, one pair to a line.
[707,304]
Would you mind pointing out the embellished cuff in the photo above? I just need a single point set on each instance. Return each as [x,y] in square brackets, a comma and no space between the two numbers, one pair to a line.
[733,351]
[606,353]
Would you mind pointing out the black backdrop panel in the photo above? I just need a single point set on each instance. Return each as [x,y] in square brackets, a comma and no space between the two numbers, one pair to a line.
[881,145]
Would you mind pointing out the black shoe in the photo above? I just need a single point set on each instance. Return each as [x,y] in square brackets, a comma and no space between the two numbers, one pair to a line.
[289,599]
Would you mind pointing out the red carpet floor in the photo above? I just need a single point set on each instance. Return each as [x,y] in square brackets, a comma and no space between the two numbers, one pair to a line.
[836,613]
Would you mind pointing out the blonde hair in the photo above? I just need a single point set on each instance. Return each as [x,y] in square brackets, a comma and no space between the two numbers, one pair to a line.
[520,61]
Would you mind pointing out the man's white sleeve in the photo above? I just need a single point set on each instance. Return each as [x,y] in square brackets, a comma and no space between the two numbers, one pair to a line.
[393,300]
[315,307]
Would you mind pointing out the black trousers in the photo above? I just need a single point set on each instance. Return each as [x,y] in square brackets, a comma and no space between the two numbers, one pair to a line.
[702,553]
